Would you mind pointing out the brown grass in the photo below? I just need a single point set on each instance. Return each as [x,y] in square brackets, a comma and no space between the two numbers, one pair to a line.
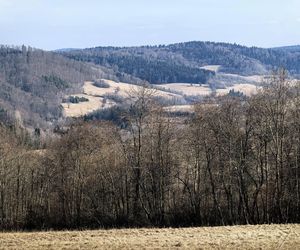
[204,90]
[93,94]
[120,88]
[235,237]
[188,89]
[83,108]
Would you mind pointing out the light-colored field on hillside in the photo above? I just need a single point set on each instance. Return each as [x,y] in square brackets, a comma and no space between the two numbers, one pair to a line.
[120,88]
[180,108]
[82,108]
[214,68]
[235,237]
[253,78]
[95,95]
[246,88]
[187,88]
[204,90]
[96,101]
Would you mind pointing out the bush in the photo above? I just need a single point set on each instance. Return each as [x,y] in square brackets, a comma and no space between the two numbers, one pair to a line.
[101,84]
[114,97]
[114,114]
[76,99]
[234,93]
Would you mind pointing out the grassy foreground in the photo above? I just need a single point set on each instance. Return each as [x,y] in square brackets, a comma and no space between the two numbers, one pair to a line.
[235,237]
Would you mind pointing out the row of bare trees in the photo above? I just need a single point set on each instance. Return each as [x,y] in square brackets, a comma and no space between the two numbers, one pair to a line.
[234,162]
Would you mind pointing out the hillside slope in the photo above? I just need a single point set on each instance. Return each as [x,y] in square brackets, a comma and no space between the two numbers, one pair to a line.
[293,48]
[148,63]
[33,83]
[182,62]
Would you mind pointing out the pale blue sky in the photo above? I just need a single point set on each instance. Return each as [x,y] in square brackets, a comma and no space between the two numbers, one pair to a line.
[53,24]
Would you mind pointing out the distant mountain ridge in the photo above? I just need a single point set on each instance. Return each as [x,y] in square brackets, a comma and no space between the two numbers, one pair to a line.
[65,49]
[181,62]
[292,48]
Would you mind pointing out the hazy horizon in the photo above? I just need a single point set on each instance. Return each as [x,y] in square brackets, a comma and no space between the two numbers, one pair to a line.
[76,24]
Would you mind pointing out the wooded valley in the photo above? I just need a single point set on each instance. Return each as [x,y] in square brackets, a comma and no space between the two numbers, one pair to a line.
[234,161]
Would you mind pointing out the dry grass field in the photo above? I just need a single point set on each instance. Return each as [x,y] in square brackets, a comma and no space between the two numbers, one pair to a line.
[96,101]
[83,108]
[170,91]
[187,88]
[120,88]
[204,90]
[235,237]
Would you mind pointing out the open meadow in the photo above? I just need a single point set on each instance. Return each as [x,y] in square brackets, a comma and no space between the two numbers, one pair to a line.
[101,98]
[229,237]
[97,97]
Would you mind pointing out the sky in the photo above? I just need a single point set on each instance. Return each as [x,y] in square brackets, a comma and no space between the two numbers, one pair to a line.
[54,24]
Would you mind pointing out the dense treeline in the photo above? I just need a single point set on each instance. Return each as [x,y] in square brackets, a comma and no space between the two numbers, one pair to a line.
[238,59]
[149,65]
[161,63]
[234,162]
[293,48]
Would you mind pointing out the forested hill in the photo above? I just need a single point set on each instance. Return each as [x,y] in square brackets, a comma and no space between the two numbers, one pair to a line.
[181,62]
[295,48]
[236,58]
[151,64]
[33,82]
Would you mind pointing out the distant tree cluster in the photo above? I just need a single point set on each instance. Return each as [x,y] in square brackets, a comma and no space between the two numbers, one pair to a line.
[234,162]
[56,81]
[234,93]
[101,84]
[75,99]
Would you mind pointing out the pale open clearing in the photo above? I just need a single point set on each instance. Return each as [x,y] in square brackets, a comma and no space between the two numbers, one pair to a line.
[214,68]
[246,88]
[120,88]
[235,237]
[82,108]
[204,90]
[96,95]
[253,78]
[180,108]
[188,88]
